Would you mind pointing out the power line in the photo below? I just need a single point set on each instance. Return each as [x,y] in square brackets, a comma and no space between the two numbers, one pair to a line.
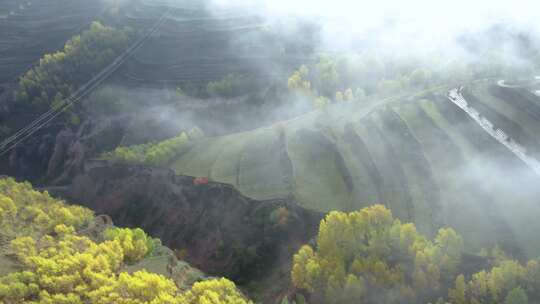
[84,90]
[50,111]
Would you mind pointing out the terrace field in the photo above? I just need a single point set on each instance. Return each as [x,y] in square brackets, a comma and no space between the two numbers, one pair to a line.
[423,157]
[33,28]
[196,45]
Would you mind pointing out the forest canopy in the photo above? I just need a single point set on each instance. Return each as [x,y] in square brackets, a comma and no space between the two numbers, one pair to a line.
[367,256]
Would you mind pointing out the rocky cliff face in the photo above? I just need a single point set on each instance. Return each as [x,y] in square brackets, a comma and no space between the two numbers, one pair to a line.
[212,225]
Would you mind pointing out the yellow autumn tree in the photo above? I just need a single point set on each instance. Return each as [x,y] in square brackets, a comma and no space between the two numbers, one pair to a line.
[135,243]
[507,282]
[24,211]
[367,256]
[57,265]
[214,291]
[298,84]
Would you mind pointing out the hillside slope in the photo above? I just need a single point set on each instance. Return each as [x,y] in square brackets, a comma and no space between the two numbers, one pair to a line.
[51,252]
[217,229]
[195,45]
[421,156]
[201,42]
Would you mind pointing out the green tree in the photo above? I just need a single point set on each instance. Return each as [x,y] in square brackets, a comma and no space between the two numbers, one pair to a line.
[321,102]
[229,86]
[368,256]
[135,243]
[180,92]
[348,95]
[359,94]
[516,296]
[508,282]
[218,291]
[195,133]
[298,84]
[457,295]
[327,76]
[339,97]
[59,74]
[154,154]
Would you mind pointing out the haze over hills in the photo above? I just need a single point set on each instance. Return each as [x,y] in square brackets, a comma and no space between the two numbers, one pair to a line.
[310,152]
[422,156]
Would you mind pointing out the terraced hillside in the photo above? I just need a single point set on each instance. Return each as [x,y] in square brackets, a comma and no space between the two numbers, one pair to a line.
[421,156]
[33,28]
[514,110]
[198,44]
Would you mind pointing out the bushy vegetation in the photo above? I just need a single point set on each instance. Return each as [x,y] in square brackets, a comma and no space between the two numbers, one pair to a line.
[328,78]
[230,86]
[298,82]
[213,291]
[154,154]
[59,74]
[135,243]
[67,268]
[58,265]
[369,257]
[24,211]
[280,217]
[508,282]
[353,77]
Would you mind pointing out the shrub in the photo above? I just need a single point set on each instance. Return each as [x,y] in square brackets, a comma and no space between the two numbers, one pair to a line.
[158,154]
[135,243]
[24,211]
[214,291]
[230,86]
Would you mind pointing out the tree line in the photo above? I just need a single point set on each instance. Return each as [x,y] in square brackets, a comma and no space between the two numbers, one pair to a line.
[367,256]
[59,74]
[338,78]
[154,154]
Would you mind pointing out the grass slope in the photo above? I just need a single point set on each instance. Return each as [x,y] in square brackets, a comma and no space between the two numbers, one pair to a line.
[319,181]
[445,156]
[393,182]
[264,169]
[423,157]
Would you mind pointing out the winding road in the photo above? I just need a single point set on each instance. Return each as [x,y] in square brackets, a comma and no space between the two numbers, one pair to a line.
[502,83]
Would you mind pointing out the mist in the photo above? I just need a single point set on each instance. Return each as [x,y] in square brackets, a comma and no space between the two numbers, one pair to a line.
[413,29]
[226,130]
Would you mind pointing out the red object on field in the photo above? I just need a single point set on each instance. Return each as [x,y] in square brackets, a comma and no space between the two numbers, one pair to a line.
[200,181]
